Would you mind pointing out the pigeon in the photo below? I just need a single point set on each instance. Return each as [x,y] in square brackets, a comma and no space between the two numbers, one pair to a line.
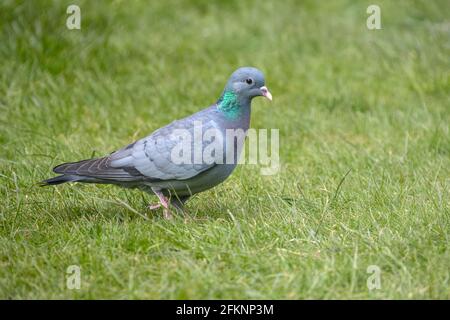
[169,163]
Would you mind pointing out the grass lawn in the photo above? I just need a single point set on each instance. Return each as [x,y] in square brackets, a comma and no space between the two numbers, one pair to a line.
[364,147]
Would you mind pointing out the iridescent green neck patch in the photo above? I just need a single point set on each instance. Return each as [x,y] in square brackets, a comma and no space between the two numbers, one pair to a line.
[229,105]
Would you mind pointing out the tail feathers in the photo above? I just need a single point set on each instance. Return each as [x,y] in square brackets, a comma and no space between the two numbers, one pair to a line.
[79,167]
[92,171]
[98,169]
[60,179]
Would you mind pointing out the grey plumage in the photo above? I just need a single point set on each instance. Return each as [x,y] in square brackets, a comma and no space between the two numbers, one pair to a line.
[148,163]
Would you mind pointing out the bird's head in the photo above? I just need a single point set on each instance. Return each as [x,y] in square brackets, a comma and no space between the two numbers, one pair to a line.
[242,86]
[247,83]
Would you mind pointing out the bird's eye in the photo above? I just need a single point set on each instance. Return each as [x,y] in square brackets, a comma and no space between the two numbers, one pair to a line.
[249,80]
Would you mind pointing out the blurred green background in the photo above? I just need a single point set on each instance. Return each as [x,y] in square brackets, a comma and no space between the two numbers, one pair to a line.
[375,102]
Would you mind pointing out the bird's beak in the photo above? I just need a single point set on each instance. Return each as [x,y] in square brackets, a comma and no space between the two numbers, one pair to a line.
[266,93]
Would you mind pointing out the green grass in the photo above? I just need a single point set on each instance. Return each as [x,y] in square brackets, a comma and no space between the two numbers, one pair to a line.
[345,98]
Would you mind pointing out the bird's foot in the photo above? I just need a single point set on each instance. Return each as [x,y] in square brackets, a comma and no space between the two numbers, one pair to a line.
[154,206]
[166,212]
[164,202]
